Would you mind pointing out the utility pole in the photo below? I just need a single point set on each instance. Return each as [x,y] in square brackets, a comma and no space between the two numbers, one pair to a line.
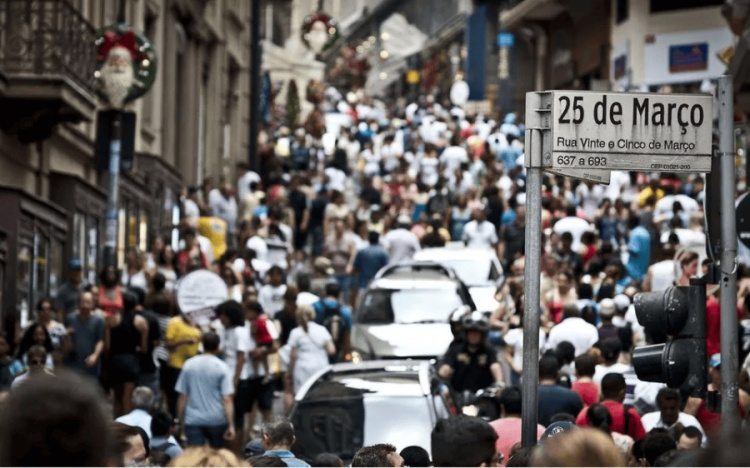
[113,194]
[255,71]
[728,276]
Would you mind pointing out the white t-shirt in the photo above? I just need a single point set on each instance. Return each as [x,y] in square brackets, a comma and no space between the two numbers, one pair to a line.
[243,184]
[514,338]
[271,298]
[311,352]
[372,163]
[452,158]
[428,167]
[336,179]
[248,370]
[663,275]
[653,420]
[480,236]
[307,298]
[258,245]
[235,340]
[401,245]
[581,334]
[191,209]
[602,370]
[575,226]
[590,198]
[138,280]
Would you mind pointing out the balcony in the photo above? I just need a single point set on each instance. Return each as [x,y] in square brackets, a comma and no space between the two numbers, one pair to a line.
[46,67]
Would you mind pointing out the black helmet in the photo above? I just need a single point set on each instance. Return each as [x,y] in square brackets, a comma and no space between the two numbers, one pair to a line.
[475,321]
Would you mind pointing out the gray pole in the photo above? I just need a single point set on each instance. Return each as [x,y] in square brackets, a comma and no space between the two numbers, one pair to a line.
[255,78]
[532,278]
[113,195]
[728,279]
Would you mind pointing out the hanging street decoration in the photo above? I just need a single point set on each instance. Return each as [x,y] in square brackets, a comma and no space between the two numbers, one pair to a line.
[319,31]
[126,64]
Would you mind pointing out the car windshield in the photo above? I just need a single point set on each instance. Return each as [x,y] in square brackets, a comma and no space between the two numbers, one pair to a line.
[473,272]
[342,416]
[408,305]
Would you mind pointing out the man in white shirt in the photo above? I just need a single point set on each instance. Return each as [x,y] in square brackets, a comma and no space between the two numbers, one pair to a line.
[246,177]
[143,403]
[401,244]
[669,414]
[480,233]
[611,349]
[453,156]
[572,224]
[581,334]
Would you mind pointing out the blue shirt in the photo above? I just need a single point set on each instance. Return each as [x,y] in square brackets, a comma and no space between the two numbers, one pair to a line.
[368,262]
[205,379]
[169,446]
[639,247]
[287,456]
[320,312]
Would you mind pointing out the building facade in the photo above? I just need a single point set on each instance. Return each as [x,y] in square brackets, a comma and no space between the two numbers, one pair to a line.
[191,126]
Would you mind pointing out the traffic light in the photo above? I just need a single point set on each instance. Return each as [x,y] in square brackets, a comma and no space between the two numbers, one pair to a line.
[677,316]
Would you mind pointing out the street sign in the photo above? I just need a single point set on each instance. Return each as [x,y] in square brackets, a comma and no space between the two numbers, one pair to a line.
[505,39]
[592,175]
[629,131]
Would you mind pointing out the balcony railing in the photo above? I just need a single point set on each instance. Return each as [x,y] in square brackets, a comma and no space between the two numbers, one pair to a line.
[47,39]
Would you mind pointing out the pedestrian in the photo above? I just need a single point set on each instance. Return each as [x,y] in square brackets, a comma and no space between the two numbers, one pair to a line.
[378,455]
[341,249]
[37,335]
[164,447]
[85,338]
[574,329]
[415,455]
[368,261]
[143,402]
[311,346]
[278,438]
[65,406]
[480,233]
[579,447]
[271,295]
[625,419]
[205,405]
[134,274]
[554,398]
[181,339]
[110,293]
[56,330]
[36,357]
[508,426]
[401,244]
[464,441]
[66,300]
[207,457]
[337,319]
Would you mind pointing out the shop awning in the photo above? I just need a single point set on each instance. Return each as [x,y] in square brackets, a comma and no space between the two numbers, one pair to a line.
[536,10]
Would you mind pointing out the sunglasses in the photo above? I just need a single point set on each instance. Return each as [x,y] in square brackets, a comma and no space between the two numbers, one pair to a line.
[36,362]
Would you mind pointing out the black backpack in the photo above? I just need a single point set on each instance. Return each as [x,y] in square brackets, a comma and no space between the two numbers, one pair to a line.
[333,320]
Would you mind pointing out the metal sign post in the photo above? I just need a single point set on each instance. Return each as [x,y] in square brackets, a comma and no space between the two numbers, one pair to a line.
[588,134]
[728,279]
[532,276]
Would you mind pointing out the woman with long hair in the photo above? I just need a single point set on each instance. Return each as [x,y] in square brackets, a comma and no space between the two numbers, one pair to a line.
[600,418]
[167,266]
[134,273]
[689,268]
[514,343]
[311,345]
[125,340]
[36,334]
[110,294]
[45,315]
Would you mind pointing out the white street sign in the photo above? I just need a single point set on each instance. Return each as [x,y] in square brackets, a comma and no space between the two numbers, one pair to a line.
[630,131]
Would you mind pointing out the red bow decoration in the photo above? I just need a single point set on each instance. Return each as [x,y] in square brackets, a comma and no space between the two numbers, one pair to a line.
[112,39]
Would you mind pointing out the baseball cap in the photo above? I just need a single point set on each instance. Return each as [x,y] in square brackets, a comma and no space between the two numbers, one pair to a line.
[75,264]
[715,360]
[607,308]
[556,429]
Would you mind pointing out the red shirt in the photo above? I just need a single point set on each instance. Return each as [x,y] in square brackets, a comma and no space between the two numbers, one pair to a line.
[589,392]
[713,326]
[262,336]
[509,434]
[617,410]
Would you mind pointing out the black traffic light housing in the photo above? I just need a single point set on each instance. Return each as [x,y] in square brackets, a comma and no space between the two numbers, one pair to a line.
[679,313]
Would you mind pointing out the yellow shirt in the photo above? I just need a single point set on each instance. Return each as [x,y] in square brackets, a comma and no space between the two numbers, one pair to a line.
[215,229]
[178,330]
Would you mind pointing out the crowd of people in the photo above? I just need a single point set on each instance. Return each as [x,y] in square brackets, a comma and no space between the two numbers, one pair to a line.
[297,241]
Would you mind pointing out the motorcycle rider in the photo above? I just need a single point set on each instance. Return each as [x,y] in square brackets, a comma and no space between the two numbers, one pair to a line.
[456,320]
[472,365]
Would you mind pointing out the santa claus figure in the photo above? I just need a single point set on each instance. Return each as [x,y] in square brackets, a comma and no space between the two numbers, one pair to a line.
[116,76]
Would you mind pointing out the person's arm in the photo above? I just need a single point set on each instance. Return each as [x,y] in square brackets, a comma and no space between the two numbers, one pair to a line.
[647,281]
[238,368]
[352,256]
[288,379]
[228,403]
[445,371]
[509,352]
[305,219]
[94,357]
[497,372]
[181,403]
[142,325]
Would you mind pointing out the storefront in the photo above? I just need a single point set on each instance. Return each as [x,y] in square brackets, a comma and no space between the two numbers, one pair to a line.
[165,186]
[87,204]
[32,247]
[133,218]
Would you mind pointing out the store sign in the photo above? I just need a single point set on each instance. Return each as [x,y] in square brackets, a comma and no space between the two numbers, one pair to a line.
[688,57]
[198,293]
[631,131]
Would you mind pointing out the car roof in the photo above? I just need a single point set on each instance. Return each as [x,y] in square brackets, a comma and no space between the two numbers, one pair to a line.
[412,281]
[443,253]
[373,376]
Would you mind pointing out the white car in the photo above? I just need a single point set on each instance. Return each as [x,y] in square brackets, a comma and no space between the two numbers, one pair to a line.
[479,270]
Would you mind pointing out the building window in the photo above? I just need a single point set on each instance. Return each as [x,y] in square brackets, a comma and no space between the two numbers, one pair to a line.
[622,11]
[659,6]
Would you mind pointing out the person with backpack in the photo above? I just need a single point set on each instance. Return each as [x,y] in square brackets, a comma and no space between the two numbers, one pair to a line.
[163,445]
[337,319]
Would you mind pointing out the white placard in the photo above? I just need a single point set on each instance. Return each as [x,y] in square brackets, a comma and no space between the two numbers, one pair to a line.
[198,293]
